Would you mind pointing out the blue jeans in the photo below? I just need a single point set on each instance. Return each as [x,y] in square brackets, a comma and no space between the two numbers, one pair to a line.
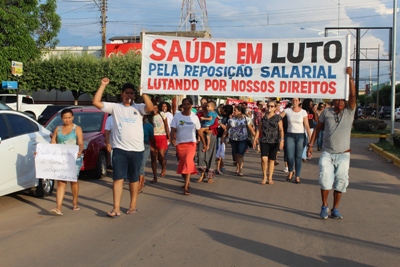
[294,148]
[320,138]
[146,154]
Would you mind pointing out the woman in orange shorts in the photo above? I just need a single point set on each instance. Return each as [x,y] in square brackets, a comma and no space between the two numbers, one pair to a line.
[161,136]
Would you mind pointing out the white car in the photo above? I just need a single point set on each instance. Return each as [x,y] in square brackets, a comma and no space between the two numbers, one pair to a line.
[397,114]
[19,135]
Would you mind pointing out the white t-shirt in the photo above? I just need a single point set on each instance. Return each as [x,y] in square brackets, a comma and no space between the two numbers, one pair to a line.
[186,127]
[128,128]
[295,120]
[109,126]
[169,119]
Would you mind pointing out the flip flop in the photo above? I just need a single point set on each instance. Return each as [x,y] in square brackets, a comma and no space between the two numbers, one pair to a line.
[270,182]
[130,212]
[113,214]
[56,212]
[76,208]
[240,174]
[263,182]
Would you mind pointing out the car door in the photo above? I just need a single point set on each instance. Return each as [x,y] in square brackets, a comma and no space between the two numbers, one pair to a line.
[26,136]
[8,162]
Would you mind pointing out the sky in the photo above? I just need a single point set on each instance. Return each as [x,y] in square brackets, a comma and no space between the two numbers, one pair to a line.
[247,19]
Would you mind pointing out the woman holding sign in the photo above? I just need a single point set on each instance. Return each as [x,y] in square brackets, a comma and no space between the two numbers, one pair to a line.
[69,134]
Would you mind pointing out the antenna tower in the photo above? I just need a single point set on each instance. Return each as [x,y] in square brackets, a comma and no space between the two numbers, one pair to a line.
[191,14]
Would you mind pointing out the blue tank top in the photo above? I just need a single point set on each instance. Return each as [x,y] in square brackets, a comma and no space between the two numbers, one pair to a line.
[67,139]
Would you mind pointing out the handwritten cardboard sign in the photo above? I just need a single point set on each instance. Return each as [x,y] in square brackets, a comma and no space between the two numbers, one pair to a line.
[54,161]
[304,67]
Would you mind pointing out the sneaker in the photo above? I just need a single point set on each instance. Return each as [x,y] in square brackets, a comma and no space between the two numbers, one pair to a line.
[286,169]
[336,214]
[324,212]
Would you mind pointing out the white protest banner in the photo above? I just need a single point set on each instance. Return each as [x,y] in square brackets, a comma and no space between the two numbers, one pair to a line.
[56,161]
[307,67]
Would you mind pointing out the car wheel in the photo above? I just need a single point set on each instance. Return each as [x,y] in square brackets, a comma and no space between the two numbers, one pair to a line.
[101,166]
[45,188]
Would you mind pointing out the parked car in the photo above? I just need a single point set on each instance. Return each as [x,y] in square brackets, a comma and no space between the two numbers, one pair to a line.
[92,121]
[367,111]
[384,112]
[397,114]
[19,136]
[25,103]
[6,107]
[49,112]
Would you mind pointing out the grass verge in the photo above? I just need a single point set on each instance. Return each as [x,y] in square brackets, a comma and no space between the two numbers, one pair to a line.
[385,145]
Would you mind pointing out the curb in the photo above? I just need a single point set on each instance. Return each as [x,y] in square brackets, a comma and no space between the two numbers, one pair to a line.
[385,154]
[368,136]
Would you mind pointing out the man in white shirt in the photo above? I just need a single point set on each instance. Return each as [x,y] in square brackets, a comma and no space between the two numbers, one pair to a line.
[127,140]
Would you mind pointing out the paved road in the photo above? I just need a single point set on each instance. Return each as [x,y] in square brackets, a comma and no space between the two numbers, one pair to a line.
[233,222]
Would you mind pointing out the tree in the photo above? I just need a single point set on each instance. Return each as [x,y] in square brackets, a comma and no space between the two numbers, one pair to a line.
[50,25]
[25,28]
[82,73]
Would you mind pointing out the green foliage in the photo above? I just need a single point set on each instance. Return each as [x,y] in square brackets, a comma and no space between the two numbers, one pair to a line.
[20,23]
[362,99]
[385,96]
[50,25]
[82,73]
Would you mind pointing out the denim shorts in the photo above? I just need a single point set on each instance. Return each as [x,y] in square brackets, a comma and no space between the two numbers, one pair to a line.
[334,171]
[126,164]
[238,147]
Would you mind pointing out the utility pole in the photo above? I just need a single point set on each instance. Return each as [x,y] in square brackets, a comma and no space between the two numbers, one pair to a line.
[103,22]
[103,27]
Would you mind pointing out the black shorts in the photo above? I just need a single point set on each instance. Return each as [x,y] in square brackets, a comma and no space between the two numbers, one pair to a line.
[269,150]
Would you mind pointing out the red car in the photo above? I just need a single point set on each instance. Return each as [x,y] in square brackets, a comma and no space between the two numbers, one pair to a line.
[92,121]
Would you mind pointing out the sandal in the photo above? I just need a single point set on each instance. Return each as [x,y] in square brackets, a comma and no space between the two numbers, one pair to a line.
[56,212]
[218,172]
[76,208]
[186,192]
[263,182]
[240,174]
[113,214]
[163,172]
[270,182]
[210,181]
[153,181]
[130,212]
[201,177]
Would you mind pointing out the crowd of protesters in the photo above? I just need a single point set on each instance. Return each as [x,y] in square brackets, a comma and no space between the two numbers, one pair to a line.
[136,131]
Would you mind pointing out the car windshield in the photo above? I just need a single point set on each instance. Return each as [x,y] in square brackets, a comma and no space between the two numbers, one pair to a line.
[89,122]
[4,107]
